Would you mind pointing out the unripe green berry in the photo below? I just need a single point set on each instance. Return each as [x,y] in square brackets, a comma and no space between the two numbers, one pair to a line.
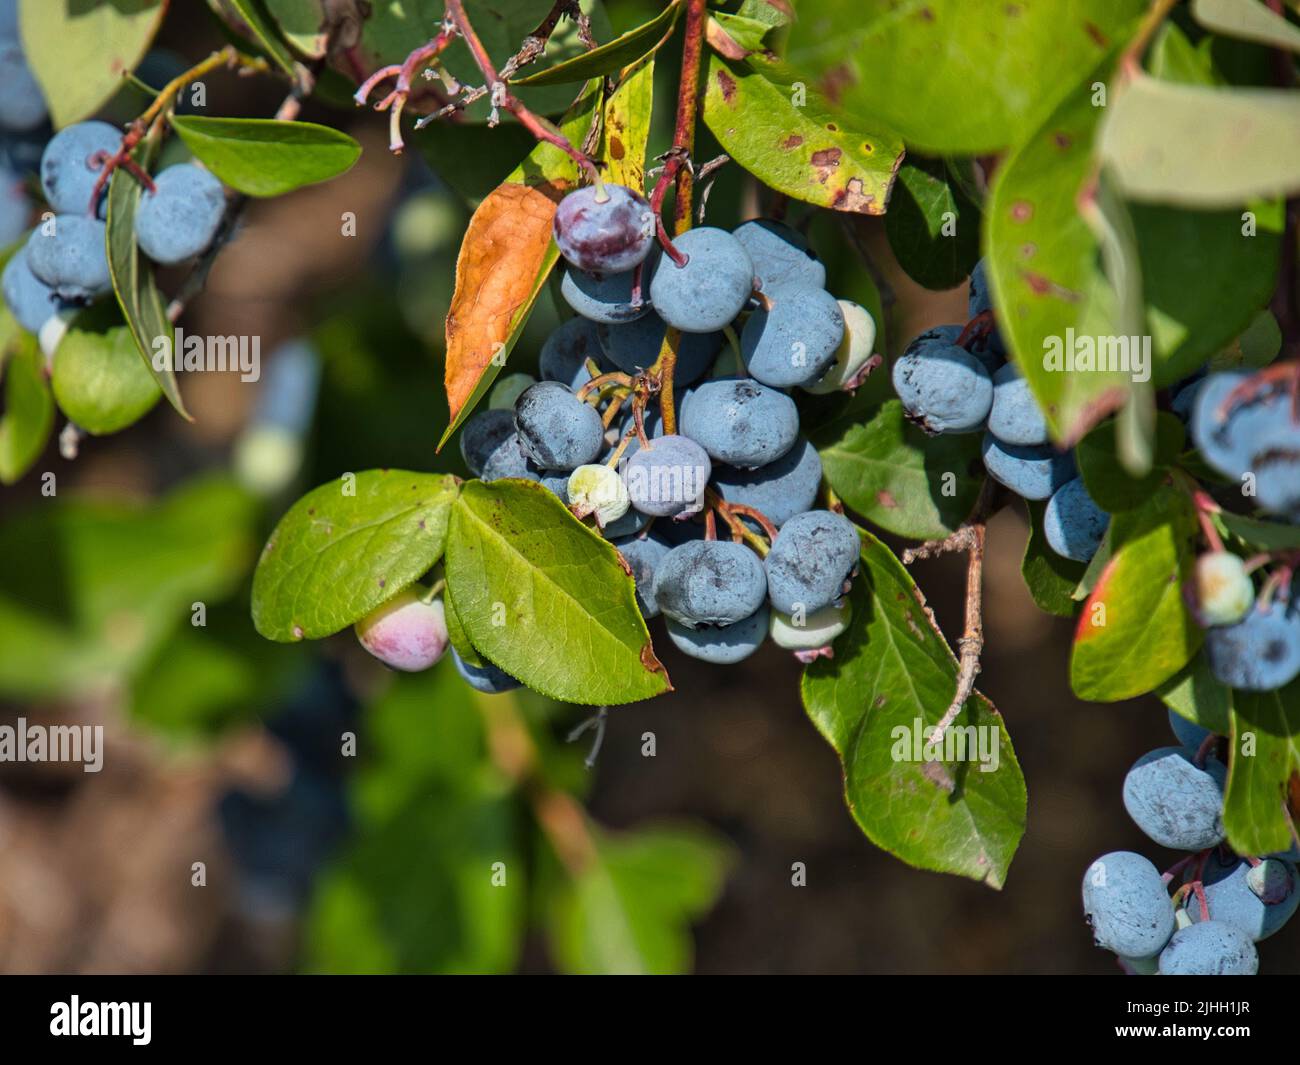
[809,633]
[508,389]
[598,490]
[1223,589]
[855,349]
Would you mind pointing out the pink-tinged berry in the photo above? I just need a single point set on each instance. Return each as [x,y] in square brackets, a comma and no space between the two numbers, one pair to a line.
[405,633]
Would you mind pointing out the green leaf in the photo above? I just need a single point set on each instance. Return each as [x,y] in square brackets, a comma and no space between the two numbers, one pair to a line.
[1051,579]
[546,599]
[265,157]
[1198,695]
[1257,345]
[920,65]
[1248,20]
[303,23]
[899,478]
[891,680]
[90,589]
[99,379]
[933,229]
[264,32]
[1265,758]
[28,414]
[1174,58]
[611,56]
[744,32]
[1108,483]
[808,150]
[629,912]
[348,546]
[625,131]
[1261,533]
[1135,631]
[456,632]
[1195,146]
[81,51]
[133,282]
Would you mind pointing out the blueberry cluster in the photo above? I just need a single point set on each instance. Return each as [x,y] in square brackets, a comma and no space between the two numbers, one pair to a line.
[64,263]
[1225,904]
[591,432]
[956,379]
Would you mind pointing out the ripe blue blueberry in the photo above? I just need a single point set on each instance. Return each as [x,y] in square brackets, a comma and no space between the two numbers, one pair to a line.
[606,297]
[643,555]
[740,422]
[508,459]
[1032,472]
[634,346]
[781,256]
[180,218]
[1261,652]
[853,352]
[812,559]
[1224,439]
[793,343]
[486,678]
[668,477]
[72,163]
[710,582]
[483,434]
[1174,801]
[722,645]
[781,489]
[1015,417]
[1212,948]
[405,633]
[557,430]
[1073,524]
[565,352]
[70,257]
[1127,905]
[1232,900]
[944,388]
[1188,733]
[711,289]
[30,299]
[604,229]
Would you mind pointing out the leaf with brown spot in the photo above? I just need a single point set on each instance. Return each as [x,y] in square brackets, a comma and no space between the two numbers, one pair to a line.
[626,129]
[504,261]
[808,151]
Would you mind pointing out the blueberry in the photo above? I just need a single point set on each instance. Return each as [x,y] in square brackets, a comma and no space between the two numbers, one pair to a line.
[605,297]
[72,163]
[722,645]
[740,422]
[1259,653]
[565,353]
[1209,949]
[604,229]
[1015,417]
[980,298]
[630,524]
[1188,733]
[711,289]
[1127,906]
[557,430]
[1222,591]
[944,388]
[483,434]
[22,104]
[72,258]
[405,633]
[508,389]
[667,478]
[1223,440]
[794,342]
[1073,524]
[710,582]
[781,256]
[1174,801]
[811,561]
[486,678]
[180,218]
[781,489]
[1277,478]
[634,346]
[1232,900]
[29,298]
[853,351]
[798,632]
[1182,396]
[14,208]
[509,460]
[643,555]
[1032,472]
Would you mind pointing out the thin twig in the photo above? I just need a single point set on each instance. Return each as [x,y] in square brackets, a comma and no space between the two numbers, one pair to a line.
[596,721]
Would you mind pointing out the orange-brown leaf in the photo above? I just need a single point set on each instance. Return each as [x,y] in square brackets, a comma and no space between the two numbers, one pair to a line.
[503,252]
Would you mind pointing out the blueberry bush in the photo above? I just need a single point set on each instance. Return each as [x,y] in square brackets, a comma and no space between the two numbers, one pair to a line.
[655,411]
